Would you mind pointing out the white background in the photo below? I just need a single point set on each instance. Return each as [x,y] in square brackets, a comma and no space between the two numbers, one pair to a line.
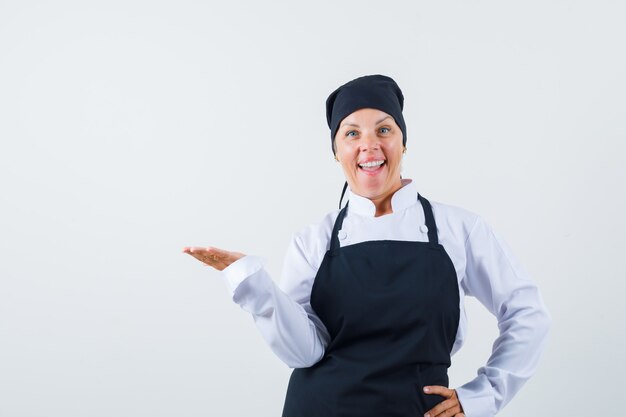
[130,129]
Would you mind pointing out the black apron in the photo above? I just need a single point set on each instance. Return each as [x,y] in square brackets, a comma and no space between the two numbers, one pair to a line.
[392,311]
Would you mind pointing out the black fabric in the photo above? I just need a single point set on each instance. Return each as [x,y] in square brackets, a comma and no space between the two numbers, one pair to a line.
[376,91]
[392,311]
[345,185]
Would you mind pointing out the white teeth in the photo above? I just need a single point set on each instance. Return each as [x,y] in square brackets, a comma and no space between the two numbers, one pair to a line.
[372,164]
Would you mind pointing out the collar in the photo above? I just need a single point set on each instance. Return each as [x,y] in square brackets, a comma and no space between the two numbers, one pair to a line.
[404,197]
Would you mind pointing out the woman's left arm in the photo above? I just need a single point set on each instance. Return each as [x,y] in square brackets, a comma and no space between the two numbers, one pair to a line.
[496,278]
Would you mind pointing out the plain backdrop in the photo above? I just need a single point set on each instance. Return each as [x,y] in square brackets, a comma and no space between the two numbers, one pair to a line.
[130,129]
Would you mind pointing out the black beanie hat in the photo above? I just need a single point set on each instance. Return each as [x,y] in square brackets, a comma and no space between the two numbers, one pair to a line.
[375,91]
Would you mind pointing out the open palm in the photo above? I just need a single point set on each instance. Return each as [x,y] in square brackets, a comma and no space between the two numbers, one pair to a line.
[211,256]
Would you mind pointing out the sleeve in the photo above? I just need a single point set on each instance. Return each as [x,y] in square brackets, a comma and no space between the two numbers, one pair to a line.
[495,277]
[282,314]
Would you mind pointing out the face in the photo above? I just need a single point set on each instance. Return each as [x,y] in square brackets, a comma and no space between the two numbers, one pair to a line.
[370,136]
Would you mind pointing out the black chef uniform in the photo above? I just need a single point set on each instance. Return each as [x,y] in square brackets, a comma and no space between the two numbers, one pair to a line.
[392,311]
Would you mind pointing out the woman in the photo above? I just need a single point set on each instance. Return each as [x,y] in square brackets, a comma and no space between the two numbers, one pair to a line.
[370,307]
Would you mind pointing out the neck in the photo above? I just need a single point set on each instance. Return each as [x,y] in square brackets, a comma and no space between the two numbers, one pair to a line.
[383,202]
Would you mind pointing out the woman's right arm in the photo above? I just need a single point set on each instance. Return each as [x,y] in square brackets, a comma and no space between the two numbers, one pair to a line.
[282,312]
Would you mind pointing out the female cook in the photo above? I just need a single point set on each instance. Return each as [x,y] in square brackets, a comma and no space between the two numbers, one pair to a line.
[370,309]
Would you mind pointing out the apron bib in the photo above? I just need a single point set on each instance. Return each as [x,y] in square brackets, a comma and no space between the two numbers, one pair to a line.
[392,310]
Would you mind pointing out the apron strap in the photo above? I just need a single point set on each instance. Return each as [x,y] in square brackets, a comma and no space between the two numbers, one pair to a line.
[334,238]
[343,192]
[430,220]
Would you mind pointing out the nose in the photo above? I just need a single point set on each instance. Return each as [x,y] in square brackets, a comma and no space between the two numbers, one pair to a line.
[370,141]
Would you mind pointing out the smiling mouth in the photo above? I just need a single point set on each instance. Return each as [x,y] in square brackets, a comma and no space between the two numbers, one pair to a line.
[373,166]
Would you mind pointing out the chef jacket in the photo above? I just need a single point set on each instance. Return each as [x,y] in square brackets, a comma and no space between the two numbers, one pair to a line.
[485,269]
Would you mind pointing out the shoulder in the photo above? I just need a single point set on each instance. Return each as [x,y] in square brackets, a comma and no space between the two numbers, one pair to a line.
[458,221]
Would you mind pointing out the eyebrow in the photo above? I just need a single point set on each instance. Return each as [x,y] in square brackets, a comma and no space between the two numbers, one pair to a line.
[355,125]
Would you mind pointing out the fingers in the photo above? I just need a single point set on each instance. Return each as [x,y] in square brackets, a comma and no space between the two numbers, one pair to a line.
[211,251]
[215,257]
[450,407]
[440,390]
[208,257]
[208,252]
[446,408]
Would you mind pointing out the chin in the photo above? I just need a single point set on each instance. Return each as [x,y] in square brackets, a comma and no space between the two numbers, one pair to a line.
[370,191]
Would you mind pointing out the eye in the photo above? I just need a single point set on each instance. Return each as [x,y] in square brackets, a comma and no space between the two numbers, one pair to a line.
[350,131]
[385,128]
